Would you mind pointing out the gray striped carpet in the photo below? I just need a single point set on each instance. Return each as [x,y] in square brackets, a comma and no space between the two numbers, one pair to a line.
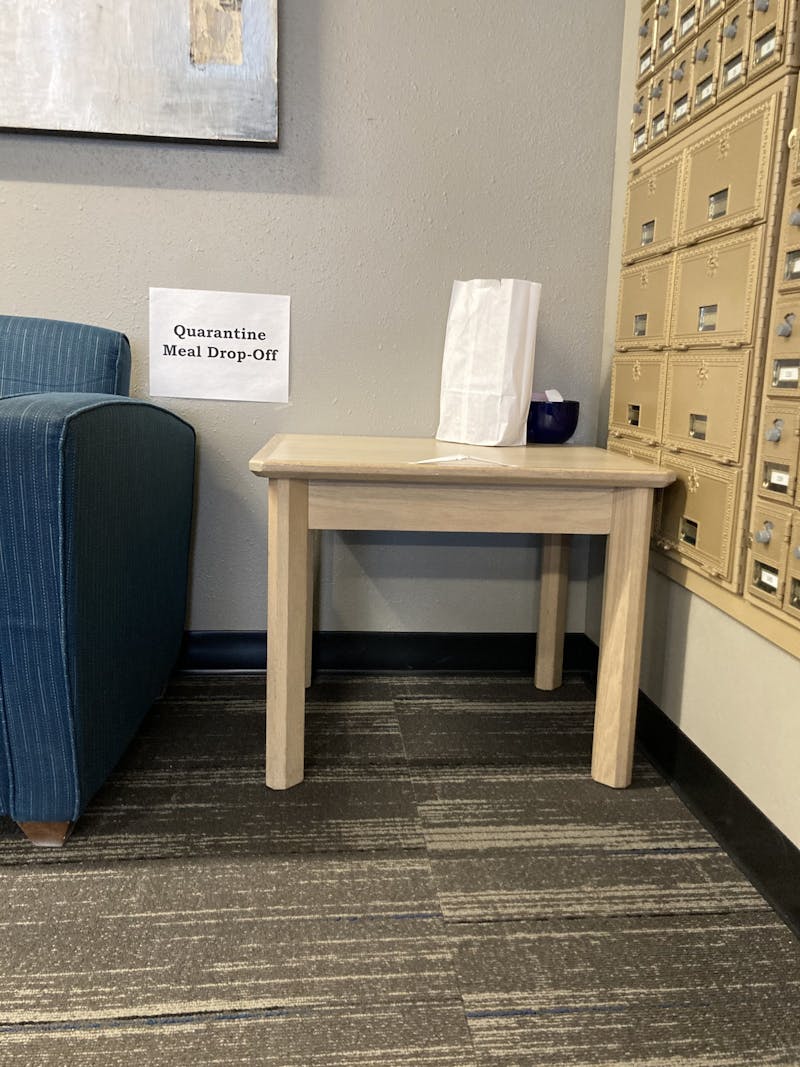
[447,887]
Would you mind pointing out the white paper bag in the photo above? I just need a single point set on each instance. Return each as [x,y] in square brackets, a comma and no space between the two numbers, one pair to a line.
[487,369]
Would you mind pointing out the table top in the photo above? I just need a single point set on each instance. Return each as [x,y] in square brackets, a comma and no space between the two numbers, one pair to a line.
[319,457]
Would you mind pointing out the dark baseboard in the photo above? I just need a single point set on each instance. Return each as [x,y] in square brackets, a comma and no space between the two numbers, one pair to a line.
[764,854]
[760,850]
[356,651]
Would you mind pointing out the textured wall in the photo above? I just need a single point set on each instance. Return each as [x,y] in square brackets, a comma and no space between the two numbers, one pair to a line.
[421,141]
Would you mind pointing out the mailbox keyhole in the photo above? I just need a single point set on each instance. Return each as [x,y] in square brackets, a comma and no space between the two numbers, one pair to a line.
[765,46]
[733,69]
[776,478]
[786,374]
[707,318]
[704,89]
[681,108]
[689,531]
[698,426]
[718,204]
[766,578]
[792,267]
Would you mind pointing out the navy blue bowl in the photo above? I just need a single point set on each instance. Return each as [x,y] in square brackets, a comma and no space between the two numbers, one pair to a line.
[552,424]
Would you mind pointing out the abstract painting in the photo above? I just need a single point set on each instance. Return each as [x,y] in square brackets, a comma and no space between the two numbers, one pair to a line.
[188,70]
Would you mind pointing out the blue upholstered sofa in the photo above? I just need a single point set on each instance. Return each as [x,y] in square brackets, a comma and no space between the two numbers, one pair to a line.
[96,495]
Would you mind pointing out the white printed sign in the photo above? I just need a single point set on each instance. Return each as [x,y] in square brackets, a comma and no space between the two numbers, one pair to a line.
[219,346]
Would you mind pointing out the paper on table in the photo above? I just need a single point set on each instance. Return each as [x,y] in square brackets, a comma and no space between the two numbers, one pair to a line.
[460,457]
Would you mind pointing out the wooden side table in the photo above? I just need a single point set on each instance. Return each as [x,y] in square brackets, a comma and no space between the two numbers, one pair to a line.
[399,483]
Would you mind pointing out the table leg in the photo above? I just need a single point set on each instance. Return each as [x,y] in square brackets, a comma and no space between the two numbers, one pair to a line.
[552,611]
[621,636]
[287,589]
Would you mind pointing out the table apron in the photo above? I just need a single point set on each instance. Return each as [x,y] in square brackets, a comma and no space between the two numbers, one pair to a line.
[341,505]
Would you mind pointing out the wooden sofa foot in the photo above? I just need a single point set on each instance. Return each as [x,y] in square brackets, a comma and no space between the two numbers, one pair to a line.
[46,834]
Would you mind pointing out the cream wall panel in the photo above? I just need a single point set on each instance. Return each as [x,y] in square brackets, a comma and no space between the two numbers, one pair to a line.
[729,689]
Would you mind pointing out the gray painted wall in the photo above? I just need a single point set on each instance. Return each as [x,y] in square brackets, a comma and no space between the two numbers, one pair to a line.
[421,141]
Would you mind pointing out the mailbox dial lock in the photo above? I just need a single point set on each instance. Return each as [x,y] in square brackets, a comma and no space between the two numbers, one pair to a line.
[785,327]
[775,431]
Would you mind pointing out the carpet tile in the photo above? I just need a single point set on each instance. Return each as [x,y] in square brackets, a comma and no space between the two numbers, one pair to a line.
[189,937]
[447,888]
[719,989]
[427,1034]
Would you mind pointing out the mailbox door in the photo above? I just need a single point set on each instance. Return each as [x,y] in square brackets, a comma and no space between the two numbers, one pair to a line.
[767,36]
[776,458]
[769,534]
[706,67]
[639,113]
[666,31]
[658,111]
[681,88]
[645,294]
[788,264]
[698,514]
[727,173]
[735,48]
[705,400]
[639,134]
[650,210]
[646,54]
[783,349]
[715,292]
[637,396]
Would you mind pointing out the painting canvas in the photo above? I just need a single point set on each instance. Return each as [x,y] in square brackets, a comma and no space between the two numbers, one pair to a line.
[196,70]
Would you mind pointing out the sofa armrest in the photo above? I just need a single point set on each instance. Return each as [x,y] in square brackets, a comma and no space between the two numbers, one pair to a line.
[95,515]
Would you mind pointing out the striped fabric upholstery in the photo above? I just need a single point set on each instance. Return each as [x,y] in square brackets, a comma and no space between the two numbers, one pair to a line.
[95,514]
[45,355]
